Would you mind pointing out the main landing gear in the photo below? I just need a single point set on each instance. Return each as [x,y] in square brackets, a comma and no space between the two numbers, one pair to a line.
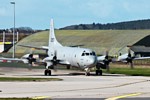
[87,73]
[98,72]
[47,72]
[98,69]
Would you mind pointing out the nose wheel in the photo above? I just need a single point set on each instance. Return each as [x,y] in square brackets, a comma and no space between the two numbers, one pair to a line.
[87,73]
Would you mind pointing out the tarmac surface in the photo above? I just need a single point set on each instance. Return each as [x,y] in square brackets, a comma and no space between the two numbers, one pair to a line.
[75,86]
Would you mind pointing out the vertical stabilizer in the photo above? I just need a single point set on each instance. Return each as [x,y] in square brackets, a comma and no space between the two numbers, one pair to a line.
[52,39]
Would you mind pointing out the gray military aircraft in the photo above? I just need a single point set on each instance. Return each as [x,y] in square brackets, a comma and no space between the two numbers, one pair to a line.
[82,58]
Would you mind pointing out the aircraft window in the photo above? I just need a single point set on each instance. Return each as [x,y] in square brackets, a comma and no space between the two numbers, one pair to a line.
[91,54]
[87,54]
[83,54]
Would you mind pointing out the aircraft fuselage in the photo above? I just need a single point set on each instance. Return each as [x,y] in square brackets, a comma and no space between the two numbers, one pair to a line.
[75,56]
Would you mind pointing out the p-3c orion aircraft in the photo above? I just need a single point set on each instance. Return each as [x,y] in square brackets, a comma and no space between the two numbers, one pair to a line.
[82,58]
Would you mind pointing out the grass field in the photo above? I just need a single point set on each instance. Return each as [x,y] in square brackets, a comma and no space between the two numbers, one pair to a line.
[139,70]
[28,79]
[132,72]
[98,40]
[21,99]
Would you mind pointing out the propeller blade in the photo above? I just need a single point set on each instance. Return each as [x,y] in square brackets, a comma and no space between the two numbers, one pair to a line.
[107,60]
[31,59]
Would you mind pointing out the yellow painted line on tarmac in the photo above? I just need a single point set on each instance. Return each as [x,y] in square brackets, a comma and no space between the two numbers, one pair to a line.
[123,96]
[40,97]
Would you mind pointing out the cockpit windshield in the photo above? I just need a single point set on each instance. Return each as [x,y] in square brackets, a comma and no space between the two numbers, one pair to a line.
[88,53]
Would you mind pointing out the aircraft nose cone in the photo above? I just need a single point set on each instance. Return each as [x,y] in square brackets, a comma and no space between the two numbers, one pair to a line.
[92,61]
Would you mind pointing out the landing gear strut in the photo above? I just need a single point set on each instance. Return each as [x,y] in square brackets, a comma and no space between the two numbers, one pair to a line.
[98,68]
[47,72]
[68,66]
[87,72]
[98,72]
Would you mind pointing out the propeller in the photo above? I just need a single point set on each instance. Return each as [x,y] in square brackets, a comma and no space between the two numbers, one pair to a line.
[28,58]
[104,61]
[31,59]
[107,60]
[129,59]
[54,61]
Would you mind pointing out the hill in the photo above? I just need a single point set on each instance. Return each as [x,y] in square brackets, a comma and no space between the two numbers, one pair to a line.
[98,40]
[137,24]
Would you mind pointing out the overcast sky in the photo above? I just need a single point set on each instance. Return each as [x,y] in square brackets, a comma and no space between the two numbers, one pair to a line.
[37,13]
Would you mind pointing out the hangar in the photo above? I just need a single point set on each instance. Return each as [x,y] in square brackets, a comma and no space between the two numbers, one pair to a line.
[142,47]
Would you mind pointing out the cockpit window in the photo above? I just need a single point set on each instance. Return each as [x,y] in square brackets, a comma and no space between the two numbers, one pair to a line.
[87,54]
[83,54]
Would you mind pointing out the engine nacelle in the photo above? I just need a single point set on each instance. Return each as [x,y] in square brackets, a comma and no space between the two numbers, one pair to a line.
[100,65]
[29,58]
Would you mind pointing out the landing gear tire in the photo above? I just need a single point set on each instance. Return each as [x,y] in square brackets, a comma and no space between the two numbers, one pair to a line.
[87,73]
[98,72]
[68,67]
[47,72]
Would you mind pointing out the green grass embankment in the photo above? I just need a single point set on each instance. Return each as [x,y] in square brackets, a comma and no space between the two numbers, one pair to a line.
[138,70]
[98,40]
[7,79]
[22,99]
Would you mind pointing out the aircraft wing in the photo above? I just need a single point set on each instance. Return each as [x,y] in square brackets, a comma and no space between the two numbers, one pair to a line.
[39,48]
[100,58]
[122,57]
[59,61]
[141,58]
[13,59]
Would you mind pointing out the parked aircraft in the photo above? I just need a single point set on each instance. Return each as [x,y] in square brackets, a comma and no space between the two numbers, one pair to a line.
[27,59]
[129,57]
[82,58]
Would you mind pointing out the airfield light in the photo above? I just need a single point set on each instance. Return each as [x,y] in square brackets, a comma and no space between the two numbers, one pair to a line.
[13,32]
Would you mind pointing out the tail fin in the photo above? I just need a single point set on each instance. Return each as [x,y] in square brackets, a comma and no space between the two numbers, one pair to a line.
[52,39]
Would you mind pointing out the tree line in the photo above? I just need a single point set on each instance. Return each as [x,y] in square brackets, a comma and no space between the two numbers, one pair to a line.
[133,25]
[26,30]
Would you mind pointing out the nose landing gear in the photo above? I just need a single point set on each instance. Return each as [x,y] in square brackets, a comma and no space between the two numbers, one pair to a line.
[87,72]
